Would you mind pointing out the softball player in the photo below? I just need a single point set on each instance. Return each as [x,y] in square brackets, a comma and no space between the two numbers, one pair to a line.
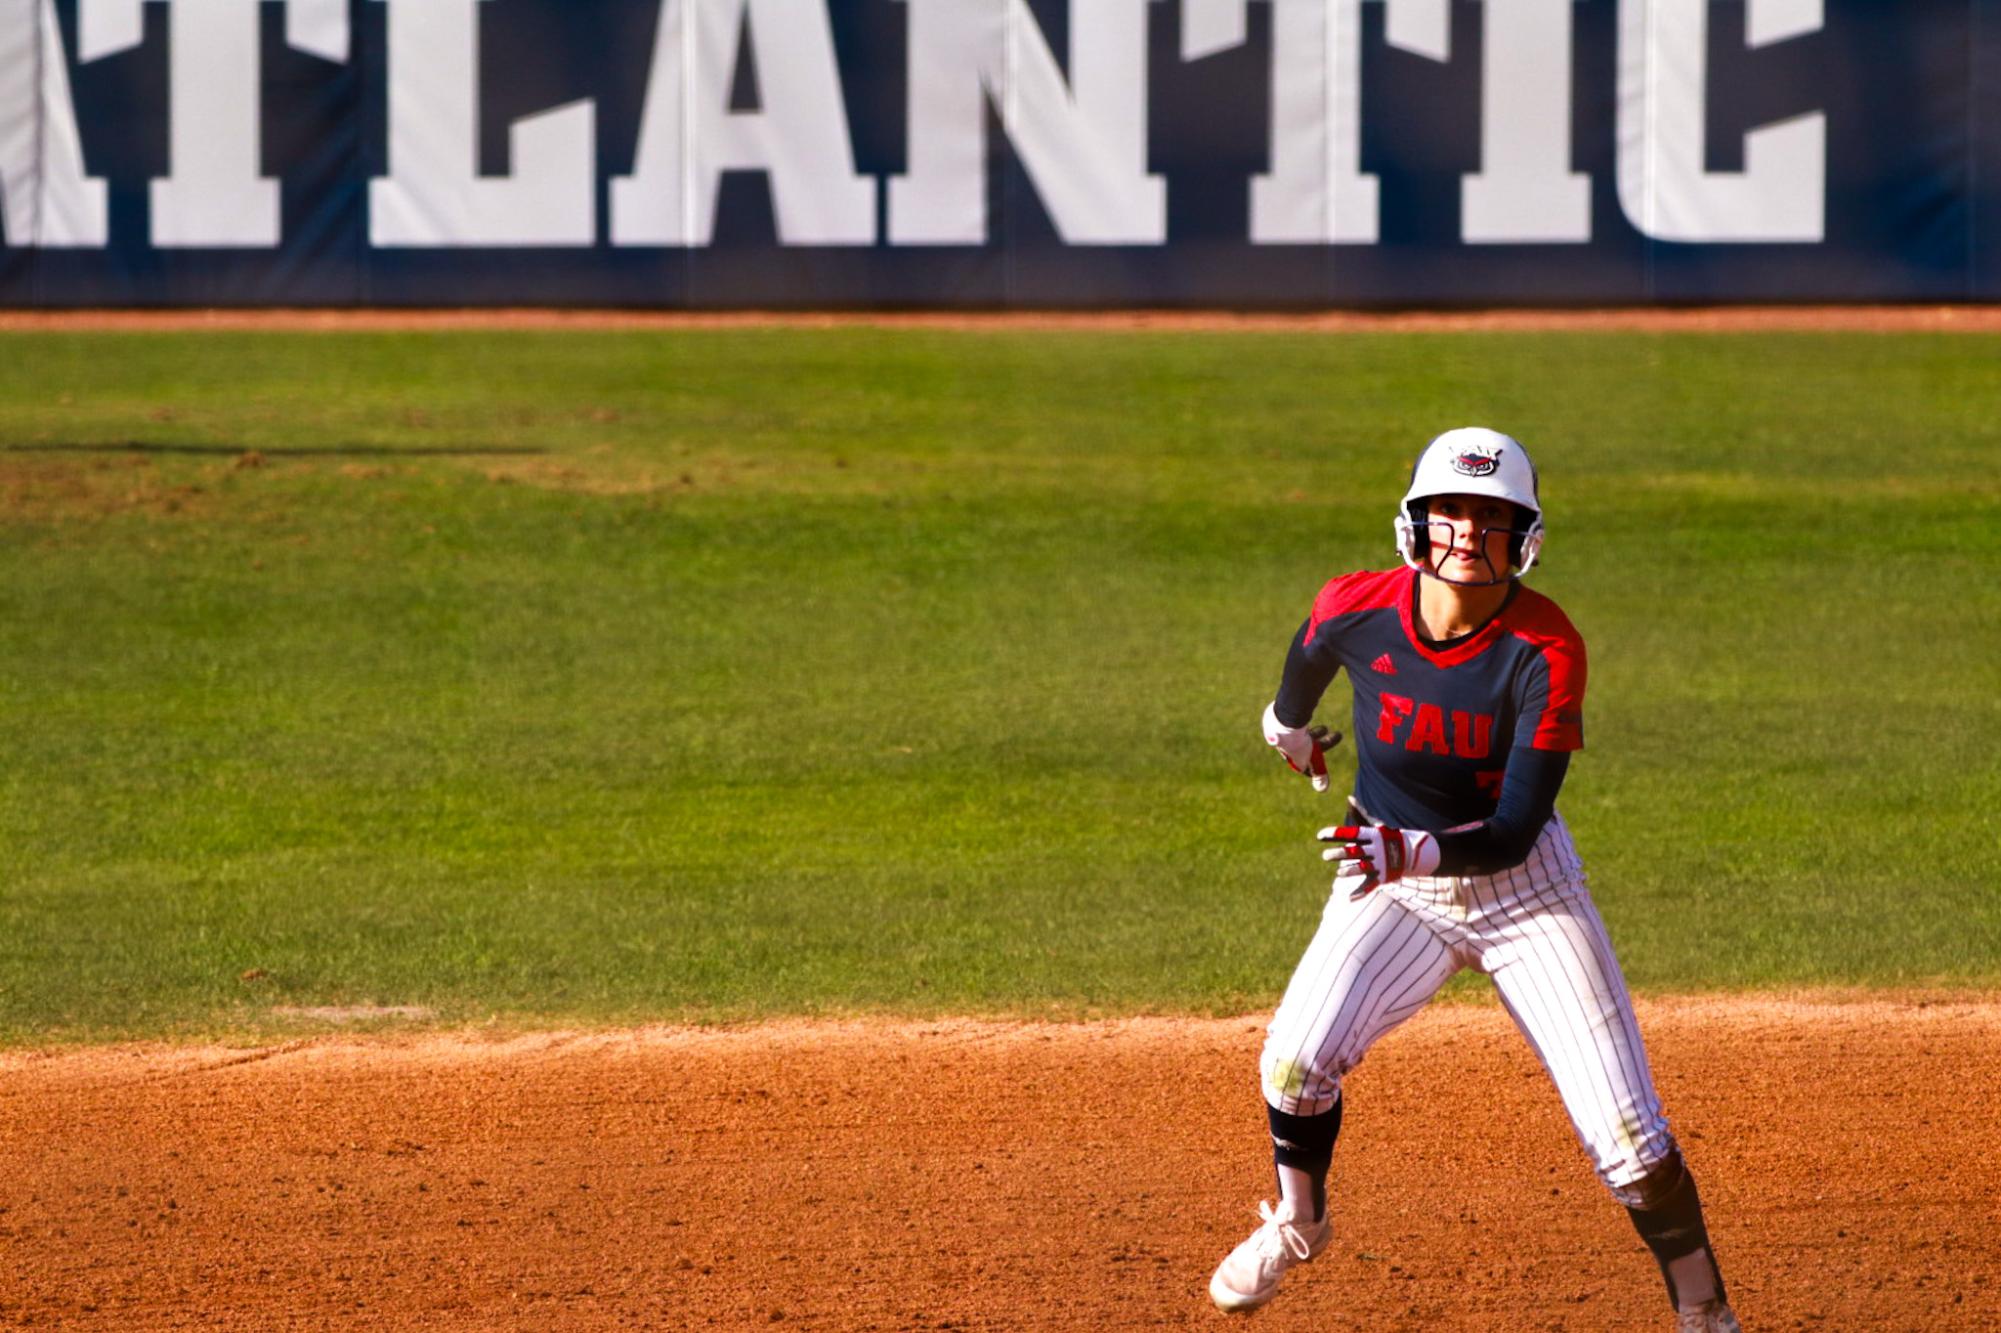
[1469,691]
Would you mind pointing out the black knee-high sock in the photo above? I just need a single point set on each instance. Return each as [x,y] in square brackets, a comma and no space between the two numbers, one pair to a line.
[1305,1143]
[1672,1227]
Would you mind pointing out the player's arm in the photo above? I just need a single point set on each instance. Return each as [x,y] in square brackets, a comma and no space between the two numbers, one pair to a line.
[1309,670]
[1550,724]
[1384,855]
[1528,799]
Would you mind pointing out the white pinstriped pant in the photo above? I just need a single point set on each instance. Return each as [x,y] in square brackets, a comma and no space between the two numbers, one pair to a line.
[1374,963]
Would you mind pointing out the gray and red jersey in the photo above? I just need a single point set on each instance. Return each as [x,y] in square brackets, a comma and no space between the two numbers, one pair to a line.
[1435,723]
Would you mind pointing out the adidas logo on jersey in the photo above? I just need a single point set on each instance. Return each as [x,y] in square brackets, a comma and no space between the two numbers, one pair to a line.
[1384,665]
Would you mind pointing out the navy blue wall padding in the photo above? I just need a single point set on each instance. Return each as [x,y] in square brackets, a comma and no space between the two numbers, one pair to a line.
[1911,92]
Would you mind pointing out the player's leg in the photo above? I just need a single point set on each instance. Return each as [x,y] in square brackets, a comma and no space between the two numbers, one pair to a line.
[1667,1212]
[1371,964]
[1559,979]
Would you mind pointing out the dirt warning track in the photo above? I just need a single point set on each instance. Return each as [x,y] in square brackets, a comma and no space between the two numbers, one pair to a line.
[981,1175]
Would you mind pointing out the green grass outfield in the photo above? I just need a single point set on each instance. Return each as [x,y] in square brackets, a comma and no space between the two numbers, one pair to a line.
[601,677]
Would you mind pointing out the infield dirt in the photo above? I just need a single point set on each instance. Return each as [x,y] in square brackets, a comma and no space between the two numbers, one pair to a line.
[984,1175]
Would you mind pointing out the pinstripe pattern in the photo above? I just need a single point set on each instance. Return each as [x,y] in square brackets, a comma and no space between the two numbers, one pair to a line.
[1374,963]
[1371,965]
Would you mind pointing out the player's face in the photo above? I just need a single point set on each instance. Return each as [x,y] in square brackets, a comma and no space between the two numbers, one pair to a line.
[1478,549]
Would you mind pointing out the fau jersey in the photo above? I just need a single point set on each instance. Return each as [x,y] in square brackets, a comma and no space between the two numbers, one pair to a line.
[1434,723]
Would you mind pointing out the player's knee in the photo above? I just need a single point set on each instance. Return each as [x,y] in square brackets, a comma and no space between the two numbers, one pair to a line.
[1659,1189]
[1299,1084]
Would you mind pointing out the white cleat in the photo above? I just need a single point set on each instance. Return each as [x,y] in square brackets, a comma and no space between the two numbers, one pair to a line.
[1713,1317]
[1249,1277]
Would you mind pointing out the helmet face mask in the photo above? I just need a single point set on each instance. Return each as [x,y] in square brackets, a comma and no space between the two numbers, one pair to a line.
[1418,531]
[1479,462]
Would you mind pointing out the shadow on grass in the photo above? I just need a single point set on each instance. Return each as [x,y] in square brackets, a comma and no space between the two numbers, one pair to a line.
[278,451]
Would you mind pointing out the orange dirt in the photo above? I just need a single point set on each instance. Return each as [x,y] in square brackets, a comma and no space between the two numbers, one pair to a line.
[1695,319]
[983,1175]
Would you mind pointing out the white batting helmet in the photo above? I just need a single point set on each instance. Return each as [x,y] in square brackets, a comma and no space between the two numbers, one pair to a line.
[1472,460]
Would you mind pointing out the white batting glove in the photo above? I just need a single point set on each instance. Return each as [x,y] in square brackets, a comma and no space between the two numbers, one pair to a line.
[1379,855]
[1305,748]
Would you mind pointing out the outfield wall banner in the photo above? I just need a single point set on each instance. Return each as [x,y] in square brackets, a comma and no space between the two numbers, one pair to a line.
[998,153]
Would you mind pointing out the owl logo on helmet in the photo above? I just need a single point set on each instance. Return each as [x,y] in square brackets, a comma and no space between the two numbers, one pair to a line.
[1473,460]
[1476,460]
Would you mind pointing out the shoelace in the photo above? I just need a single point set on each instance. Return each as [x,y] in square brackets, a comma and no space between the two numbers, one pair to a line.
[1286,1234]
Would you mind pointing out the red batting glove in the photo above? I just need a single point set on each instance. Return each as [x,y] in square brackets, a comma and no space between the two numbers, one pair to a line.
[1304,749]
[1379,855]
